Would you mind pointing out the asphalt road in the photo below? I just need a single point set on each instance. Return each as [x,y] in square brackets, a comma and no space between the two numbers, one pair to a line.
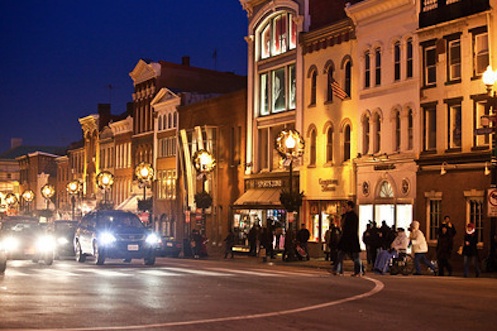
[180,294]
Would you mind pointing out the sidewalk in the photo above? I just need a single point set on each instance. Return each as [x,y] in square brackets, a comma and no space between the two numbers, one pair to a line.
[318,263]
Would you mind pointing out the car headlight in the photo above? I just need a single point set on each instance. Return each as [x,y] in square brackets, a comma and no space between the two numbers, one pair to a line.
[106,238]
[45,243]
[62,241]
[11,244]
[153,239]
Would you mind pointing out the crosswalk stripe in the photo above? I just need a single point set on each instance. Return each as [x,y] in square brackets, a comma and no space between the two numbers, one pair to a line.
[245,272]
[197,272]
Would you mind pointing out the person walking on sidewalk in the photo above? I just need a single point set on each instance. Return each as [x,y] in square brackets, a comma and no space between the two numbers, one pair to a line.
[470,250]
[349,241]
[419,248]
[229,243]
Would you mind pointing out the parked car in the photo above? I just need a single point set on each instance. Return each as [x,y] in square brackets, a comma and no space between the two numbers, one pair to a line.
[169,246]
[114,234]
[63,231]
[25,238]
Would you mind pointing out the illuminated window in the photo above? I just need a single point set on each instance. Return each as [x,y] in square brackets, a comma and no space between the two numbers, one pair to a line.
[278,36]
[277,90]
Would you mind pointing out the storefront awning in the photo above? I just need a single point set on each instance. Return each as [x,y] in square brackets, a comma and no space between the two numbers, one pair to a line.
[259,197]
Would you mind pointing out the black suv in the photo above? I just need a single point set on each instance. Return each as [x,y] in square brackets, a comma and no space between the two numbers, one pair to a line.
[114,234]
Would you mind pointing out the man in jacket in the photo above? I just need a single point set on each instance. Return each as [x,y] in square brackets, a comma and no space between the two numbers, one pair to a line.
[349,242]
[419,248]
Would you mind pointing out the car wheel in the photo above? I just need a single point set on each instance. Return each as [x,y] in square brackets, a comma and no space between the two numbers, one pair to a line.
[99,255]
[150,260]
[3,262]
[80,257]
[48,259]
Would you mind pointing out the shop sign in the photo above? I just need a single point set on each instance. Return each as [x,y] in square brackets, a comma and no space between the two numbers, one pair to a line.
[492,202]
[268,183]
[328,185]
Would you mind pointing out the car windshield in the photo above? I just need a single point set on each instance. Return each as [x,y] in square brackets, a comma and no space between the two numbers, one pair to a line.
[121,221]
[20,227]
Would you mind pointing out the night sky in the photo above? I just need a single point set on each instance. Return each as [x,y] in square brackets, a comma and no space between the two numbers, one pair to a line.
[58,58]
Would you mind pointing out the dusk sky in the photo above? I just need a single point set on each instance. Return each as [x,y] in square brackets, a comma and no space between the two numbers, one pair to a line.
[58,58]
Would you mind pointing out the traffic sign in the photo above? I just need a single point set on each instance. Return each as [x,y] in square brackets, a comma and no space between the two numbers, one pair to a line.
[480,131]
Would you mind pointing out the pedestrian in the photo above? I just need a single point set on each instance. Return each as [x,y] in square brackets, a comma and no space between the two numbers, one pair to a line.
[451,229]
[470,250]
[229,243]
[366,239]
[419,248]
[252,239]
[335,235]
[397,248]
[196,243]
[349,241]
[326,244]
[266,243]
[444,250]
[303,236]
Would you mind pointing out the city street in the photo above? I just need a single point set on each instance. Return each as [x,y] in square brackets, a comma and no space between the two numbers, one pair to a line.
[241,294]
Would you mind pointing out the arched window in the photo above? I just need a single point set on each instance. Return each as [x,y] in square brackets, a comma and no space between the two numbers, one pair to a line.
[397,132]
[348,78]
[329,89]
[377,68]
[366,135]
[329,145]
[367,70]
[386,190]
[409,59]
[313,87]
[278,36]
[396,52]
[377,132]
[410,130]
[346,143]
[312,156]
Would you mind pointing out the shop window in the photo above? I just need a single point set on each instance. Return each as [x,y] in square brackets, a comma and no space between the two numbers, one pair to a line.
[475,214]
[434,213]
[278,36]
[396,65]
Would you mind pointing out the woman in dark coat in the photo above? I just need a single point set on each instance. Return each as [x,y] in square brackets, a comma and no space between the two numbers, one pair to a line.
[444,251]
[469,250]
[349,242]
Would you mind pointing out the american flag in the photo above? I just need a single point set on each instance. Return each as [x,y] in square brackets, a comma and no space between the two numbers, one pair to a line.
[338,90]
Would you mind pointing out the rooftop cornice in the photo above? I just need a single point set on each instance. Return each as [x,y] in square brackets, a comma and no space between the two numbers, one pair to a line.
[375,9]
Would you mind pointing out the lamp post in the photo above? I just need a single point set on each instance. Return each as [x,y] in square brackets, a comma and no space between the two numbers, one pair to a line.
[290,145]
[47,191]
[105,180]
[11,200]
[145,173]
[489,78]
[73,188]
[28,196]
[204,163]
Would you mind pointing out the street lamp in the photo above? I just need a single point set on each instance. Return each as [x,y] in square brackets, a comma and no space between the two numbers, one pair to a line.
[145,173]
[28,196]
[204,163]
[489,78]
[11,200]
[105,180]
[290,145]
[47,191]
[73,188]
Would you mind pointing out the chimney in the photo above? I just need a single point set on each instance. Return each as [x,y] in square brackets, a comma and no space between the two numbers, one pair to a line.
[104,114]
[15,142]
[185,60]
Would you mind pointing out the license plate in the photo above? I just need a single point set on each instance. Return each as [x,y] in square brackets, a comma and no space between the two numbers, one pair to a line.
[133,247]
